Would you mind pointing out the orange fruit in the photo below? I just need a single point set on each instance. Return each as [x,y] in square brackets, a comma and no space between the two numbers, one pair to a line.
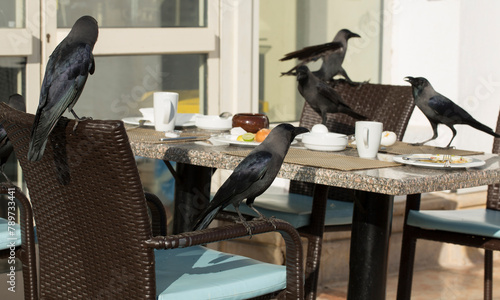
[262,134]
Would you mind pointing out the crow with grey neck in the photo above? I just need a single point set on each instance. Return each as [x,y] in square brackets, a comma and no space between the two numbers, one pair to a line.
[65,76]
[15,101]
[332,54]
[322,97]
[253,175]
[440,110]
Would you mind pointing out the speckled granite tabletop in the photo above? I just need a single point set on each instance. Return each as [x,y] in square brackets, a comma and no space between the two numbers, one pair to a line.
[399,180]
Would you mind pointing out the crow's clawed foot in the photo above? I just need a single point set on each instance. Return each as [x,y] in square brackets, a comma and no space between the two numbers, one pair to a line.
[247,226]
[78,120]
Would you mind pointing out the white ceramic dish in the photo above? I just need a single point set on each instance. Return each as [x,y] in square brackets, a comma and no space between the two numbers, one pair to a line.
[213,122]
[181,120]
[231,139]
[324,141]
[436,161]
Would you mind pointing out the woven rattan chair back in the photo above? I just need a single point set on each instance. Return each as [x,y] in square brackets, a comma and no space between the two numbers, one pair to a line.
[493,198]
[390,104]
[89,208]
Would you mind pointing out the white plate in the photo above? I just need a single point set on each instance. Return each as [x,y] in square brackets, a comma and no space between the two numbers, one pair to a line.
[468,162]
[232,140]
[181,120]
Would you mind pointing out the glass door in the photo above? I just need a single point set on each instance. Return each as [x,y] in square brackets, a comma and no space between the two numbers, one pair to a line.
[143,47]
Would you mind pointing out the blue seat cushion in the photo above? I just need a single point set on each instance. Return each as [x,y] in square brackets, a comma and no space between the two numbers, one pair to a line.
[9,234]
[296,209]
[201,273]
[484,222]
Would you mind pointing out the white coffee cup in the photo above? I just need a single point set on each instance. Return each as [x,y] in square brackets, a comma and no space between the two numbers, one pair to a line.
[165,107]
[368,136]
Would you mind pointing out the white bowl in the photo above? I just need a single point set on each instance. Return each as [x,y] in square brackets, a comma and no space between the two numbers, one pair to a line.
[213,122]
[324,141]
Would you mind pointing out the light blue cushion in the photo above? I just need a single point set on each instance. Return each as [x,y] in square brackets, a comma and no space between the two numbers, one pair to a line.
[296,209]
[201,273]
[9,235]
[485,222]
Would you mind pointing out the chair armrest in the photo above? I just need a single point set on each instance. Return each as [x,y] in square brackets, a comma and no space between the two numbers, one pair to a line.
[158,214]
[293,243]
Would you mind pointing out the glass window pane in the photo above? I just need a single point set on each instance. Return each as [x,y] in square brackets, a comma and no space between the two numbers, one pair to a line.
[123,84]
[12,14]
[302,23]
[135,13]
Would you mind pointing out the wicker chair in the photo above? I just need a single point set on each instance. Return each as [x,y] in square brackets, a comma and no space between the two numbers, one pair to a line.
[391,105]
[478,228]
[18,240]
[95,235]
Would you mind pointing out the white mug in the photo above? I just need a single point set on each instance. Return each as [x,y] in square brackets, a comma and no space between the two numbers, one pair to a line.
[165,109]
[368,136]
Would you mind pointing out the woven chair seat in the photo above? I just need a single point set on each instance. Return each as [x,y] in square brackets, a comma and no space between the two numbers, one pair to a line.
[483,222]
[196,272]
[9,236]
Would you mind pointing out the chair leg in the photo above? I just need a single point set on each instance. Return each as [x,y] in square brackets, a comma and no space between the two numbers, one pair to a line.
[488,275]
[408,246]
[314,236]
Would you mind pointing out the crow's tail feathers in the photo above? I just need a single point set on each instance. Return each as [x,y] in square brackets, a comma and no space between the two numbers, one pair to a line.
[205,219]
[483,128]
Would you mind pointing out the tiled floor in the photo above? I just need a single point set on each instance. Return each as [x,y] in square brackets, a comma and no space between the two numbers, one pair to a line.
[435,284]
[445,284]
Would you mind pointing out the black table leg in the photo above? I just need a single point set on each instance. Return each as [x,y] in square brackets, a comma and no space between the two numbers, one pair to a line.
[192,194]
[371,229]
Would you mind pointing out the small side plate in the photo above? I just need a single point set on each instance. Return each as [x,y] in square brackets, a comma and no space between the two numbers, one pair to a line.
[436,161]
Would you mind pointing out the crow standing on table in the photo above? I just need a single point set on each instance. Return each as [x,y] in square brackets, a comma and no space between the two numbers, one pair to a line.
[332,53]
[67,70]
[15,101]
[441,110]
[253,175]
[322,97]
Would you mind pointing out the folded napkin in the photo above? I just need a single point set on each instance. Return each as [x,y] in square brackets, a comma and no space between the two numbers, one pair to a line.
[328,160]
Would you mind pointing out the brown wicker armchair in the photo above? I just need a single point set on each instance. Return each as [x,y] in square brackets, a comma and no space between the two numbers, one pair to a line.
[479,228]
[391,105]
[95,235]
[25,248]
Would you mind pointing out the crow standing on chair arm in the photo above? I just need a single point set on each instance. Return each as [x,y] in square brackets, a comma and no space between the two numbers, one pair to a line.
[253,175]
[440,110]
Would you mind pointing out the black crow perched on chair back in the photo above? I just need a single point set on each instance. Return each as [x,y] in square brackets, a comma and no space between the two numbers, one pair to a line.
[67,70]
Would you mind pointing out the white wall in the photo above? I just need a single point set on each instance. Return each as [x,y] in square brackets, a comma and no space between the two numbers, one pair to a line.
[453,44]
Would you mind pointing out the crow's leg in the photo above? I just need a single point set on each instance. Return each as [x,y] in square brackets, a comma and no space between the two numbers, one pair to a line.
[261,216]
[243,221]
[78,119]
[454,134]
[434,128]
